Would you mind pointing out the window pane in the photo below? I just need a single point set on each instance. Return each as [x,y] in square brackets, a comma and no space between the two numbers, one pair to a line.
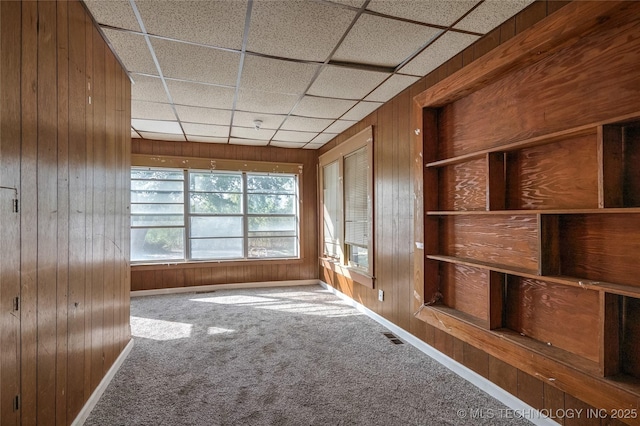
[157,220]
[271,184]
[157,244]
[216,226]
[157,174]
[157,185]
[215,182]
[332,218]
[273,247]
[359,257]
[216,203]
[158,209]
[217,248]
[271,204]
[266,226]
[141,196]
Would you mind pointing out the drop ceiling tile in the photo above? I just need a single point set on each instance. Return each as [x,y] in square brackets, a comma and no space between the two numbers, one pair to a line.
[305,124]
[323,138]
[115,13]
[387,90]
[274,75]
[313,146]
[214,23]
[253,142]
[346,83]
[204,115]
[252,133]
[340,126]
[206,130]
[297,29]
[291,136]
[265,102]
[202,95]
[206,139]
[145,88]
[281,144]
[446,47]
[151,110]
[196,63]
[311,106]
[163,136]
[157,126]
[382,41]
[361,110]
[246,119]
[352,3]
[132,50]
[442,13]
[490,14]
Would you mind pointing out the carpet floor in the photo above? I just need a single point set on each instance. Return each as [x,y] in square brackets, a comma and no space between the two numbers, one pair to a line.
[279,356]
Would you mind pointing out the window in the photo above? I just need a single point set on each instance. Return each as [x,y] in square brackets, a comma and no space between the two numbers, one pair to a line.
[346,180]
[184,214]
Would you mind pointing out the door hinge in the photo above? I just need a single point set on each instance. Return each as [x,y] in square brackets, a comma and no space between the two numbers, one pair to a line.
[16,304]
[16,403]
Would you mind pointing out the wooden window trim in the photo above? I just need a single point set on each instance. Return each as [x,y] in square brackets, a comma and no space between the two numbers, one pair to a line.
[362,139]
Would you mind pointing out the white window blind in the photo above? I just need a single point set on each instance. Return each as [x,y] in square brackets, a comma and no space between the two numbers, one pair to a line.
[356,198]
[332,217]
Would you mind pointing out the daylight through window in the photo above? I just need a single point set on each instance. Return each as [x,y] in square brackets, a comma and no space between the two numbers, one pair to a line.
[212,215]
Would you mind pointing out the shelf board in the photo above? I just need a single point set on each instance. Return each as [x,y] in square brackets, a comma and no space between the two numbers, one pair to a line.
[462,324]
[537,140]
[613,288]
[625,210]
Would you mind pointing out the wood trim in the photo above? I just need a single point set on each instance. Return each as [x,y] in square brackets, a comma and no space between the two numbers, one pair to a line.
[354,143]
[174,162]
[350,273]
[541,40]
[211,264]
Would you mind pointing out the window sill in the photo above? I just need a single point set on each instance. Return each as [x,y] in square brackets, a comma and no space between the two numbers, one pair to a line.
[356,275]
[211,264]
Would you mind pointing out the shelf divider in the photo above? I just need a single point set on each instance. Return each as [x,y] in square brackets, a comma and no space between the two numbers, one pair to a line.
[609,334]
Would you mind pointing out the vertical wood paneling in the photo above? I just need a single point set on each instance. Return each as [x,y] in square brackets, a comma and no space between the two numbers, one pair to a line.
[59,250]
[62,27]
[10,19]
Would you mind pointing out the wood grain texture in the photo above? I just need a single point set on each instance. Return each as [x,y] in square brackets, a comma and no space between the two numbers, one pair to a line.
[530,390]
[463,186]
[47,59]
[631,183]
[503,375]
[601,247]
[609,333]
[221,272]
[630,345]
[10,20]
[465,289]
[564,317]
[562,175]
[510,241]
[549,90]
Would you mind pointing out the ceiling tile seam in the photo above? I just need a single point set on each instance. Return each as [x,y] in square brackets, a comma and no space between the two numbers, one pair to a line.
[324,64]
[437,36]
[423,24]
[157,63]
[245,37]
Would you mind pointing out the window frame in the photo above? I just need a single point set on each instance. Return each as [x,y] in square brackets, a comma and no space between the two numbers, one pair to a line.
[246,168]
[364,276]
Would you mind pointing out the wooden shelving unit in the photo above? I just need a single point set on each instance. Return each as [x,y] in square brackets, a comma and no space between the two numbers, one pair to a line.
[538,243]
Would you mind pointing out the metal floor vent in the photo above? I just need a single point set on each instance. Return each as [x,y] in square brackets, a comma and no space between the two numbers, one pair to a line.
[393,338]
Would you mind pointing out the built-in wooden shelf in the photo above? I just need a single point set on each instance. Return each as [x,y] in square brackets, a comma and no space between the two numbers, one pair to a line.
[622,210]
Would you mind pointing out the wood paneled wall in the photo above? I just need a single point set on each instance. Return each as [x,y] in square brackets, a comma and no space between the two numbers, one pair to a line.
[65,147]
[146,277]
[394,209]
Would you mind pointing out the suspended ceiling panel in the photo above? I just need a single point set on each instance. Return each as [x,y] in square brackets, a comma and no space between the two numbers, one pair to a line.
[207,70]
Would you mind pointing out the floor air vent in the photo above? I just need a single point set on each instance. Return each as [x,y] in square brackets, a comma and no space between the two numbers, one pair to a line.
[393,338]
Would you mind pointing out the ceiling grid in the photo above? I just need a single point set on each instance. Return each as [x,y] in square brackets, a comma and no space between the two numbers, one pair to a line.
[286,73]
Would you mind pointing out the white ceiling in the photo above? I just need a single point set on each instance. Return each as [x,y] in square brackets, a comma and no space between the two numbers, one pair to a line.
[205,71]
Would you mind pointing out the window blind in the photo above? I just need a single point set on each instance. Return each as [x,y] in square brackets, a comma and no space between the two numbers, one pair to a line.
[356,198]
[332,217]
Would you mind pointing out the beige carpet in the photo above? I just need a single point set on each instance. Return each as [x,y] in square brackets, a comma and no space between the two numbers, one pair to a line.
[279,356]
